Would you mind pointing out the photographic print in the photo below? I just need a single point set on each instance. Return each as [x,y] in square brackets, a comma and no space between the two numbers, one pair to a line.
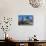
[25,20]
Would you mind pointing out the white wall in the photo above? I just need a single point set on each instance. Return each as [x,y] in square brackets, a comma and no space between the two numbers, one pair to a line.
[24,32]
[13,8]
[45,29]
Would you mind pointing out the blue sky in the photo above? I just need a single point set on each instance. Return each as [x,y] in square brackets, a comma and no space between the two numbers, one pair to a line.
[24,17]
